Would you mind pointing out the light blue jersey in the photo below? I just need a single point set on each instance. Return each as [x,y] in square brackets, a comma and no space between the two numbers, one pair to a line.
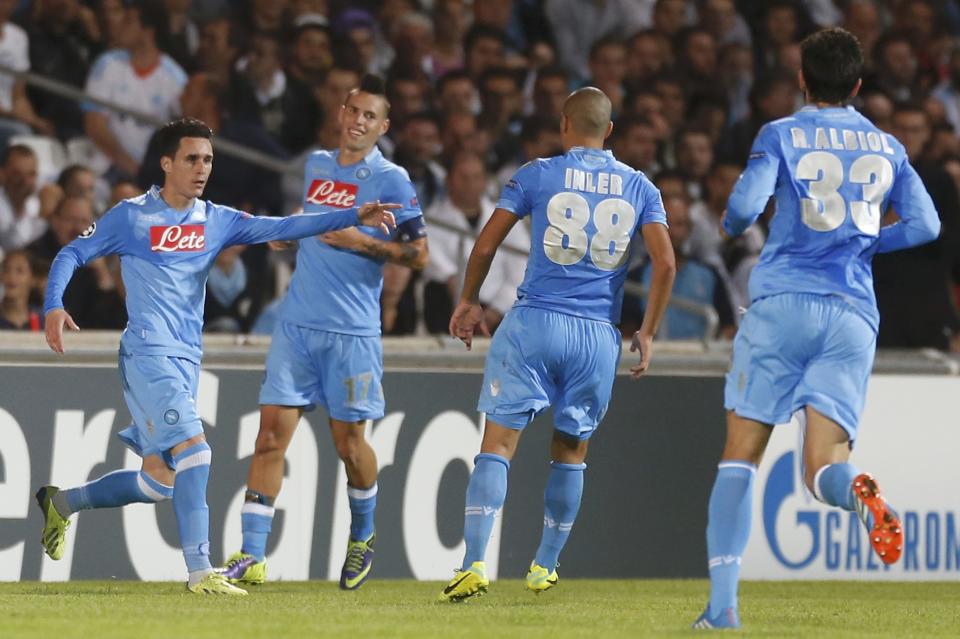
[585,206]
[833,175]
[558,346]
[165,255]
[333,289]
[810,334]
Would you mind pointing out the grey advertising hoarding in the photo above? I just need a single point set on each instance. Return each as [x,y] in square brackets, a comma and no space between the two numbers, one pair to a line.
[649,471]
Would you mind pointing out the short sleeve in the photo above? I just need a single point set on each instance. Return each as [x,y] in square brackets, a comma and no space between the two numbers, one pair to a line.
[517,194]
[653,211]
[399,189]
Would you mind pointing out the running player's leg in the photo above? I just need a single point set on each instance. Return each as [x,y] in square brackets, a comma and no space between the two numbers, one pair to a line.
[360,463]
[264,479]
[768,360]
[290,385]
[516,387]
[585,368]
[833,390]
[351,370]
[152,483]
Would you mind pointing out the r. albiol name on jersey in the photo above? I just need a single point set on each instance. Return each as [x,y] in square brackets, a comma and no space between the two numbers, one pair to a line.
[831,138]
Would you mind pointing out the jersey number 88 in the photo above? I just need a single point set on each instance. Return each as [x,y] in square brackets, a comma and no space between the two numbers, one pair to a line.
[613,218]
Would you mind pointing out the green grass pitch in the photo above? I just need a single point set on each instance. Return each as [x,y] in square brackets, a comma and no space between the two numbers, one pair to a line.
[577,608]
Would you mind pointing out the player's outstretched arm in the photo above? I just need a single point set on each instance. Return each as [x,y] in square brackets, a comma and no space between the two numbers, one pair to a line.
[919,222]
[413,254]
[663,263]
[53,327]
[254,229]
[468,316]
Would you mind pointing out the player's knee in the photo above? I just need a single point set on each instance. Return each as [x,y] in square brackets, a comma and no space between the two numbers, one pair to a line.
[153,488]
[350,449]
[269,443]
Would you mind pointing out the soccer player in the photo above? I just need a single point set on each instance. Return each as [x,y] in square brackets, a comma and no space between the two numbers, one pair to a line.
[558,345]
[167,240]
[808,340]
[326,348]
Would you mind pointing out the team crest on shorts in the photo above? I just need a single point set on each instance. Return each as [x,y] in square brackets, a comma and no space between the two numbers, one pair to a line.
[495,387]
[171,417]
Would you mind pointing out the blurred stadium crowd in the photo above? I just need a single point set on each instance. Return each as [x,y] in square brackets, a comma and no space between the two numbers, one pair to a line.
[476,89]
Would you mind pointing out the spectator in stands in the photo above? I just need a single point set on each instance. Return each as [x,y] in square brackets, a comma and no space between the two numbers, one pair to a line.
[360,29]
[634,142]
[408,90]
[311,51]
[694,158]
[137,77]
[878,108]
[218,49]
[450,22]
[18,276]
[458,131]
[670,17]
[948,91]
[466,207]
[482,50]
[111,20]
[418,149]
[539,138]
[263,93]
[608,69]
[912,286]
[17,116]
[78,180]
[181,37]
[550,89]
[502,15]
[577,25]
[262,16]
[673,96]
[648,53]
[772,97]
[412,40]
[123,190]
[862,19]
[780,27]
[92,296]
[21,218]
[695,282]
[895,68]
[456,92]
[721,19]
[502,106]
[696,62]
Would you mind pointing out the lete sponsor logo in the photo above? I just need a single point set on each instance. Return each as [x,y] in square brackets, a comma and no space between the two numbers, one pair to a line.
[341,195]
[184,238]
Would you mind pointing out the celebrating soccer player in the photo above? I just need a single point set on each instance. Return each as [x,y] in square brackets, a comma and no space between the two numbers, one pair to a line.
[807,343]
[559,344]
[326,347]
[167,240]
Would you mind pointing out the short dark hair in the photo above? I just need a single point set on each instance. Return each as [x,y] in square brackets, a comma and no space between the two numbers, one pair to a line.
[831,61]
[533,126]
[494,73]
[374,85]
[481,31]
[170,134]
[16,149]
[67,174]
[452,76]
[152,15]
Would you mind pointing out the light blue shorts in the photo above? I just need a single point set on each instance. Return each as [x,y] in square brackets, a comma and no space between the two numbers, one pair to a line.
[540,358]
[796,350]
[161,395]
[306,367]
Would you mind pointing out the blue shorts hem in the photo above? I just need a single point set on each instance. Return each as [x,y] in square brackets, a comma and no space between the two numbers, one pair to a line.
[288,401]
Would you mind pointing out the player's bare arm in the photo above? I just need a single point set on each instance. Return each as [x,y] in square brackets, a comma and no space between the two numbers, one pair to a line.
[413,254]
[53,327]
[377,214]
[664,266]
[468,315]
